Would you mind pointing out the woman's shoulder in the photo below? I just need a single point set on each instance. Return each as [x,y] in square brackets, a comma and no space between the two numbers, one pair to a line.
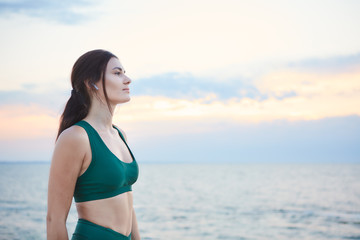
[71,147]
[74,135]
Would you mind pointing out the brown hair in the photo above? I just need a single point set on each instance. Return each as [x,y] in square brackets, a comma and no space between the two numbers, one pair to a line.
[88,69]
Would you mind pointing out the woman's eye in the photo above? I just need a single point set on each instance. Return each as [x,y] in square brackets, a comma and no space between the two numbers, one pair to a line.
[118,73]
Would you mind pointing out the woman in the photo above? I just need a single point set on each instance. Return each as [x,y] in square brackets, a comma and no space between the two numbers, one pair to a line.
[91,159]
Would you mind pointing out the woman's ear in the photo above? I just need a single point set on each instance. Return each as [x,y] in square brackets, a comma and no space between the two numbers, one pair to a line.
[94,85]
[91,86]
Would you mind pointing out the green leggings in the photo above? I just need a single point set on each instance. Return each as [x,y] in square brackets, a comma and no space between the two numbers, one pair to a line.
[86,230]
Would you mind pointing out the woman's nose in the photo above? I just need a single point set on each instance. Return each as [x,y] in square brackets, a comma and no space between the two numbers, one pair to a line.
[127,80]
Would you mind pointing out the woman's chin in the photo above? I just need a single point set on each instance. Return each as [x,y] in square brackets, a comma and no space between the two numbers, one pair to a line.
[123,100]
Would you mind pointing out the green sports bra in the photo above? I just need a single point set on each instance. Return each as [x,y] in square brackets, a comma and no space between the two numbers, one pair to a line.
[106,176]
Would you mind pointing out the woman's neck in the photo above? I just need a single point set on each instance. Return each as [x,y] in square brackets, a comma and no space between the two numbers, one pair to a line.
[100,115]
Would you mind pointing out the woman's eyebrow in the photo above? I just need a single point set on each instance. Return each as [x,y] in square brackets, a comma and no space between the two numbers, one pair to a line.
[119,68]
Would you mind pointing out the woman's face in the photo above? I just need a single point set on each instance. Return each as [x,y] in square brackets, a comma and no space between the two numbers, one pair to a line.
[117,83]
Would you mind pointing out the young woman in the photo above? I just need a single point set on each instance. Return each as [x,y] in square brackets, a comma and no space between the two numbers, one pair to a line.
[91,159]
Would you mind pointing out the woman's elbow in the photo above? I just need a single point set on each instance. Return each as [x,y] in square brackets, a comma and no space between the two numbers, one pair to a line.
[55,218]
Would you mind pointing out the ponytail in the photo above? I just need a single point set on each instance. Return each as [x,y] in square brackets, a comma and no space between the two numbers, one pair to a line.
[76,109]
[88,69]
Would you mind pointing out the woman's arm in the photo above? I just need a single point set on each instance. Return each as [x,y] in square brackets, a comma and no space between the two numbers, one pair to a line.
[135,234]
[66,164]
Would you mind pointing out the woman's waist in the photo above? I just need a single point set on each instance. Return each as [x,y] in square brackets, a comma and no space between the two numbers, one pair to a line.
[114,213]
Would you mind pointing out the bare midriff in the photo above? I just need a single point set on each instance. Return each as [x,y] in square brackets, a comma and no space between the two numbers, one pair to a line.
[114,213]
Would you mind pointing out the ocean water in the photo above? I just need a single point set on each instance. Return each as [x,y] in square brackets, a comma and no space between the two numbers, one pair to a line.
[207,201]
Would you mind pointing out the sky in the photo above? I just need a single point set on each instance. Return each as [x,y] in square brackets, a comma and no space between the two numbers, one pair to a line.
[212,81]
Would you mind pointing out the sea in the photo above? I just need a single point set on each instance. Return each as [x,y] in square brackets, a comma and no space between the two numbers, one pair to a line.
[207,201]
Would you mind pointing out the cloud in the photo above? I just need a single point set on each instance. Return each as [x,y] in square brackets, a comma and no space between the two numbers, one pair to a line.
[27,122]
[312,85]
[50,99]
[335,64]
[291,93]
[65,11]
[186,86]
